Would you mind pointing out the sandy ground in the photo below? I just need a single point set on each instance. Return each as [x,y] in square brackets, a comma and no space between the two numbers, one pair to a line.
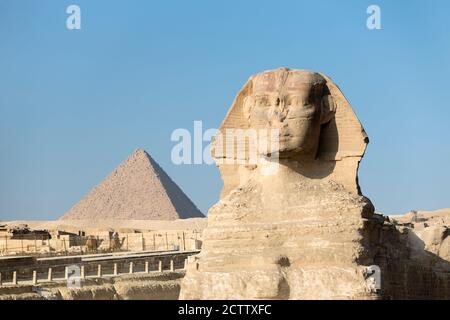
[441,216]
[104,225]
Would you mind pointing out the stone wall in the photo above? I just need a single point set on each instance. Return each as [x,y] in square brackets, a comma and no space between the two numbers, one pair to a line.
[155,286]
[136,241]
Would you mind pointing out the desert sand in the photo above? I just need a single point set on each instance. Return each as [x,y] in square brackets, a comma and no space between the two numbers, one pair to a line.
[111,224]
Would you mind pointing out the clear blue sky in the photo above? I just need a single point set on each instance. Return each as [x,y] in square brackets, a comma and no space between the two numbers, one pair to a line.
[74,104]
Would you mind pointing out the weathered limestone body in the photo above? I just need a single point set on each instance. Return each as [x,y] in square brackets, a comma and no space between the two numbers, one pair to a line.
[296,232]
[302,230]
[415,255]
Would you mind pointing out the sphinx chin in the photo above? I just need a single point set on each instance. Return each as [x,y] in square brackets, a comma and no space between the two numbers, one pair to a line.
[287,150]
[294,153]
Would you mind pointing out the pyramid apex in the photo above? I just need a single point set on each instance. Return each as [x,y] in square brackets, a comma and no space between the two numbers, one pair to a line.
[140,150]
[140,153]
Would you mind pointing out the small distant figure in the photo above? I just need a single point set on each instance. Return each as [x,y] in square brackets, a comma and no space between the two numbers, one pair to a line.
[91,244]
[115,241]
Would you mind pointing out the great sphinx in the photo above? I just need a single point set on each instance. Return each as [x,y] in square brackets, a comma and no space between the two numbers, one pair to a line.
[303,230]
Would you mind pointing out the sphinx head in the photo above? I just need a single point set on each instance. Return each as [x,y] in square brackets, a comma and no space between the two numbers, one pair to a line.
[295,103]
[315,125]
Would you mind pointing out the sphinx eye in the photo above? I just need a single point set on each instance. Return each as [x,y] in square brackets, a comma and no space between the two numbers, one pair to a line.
[261,101]
[292,101]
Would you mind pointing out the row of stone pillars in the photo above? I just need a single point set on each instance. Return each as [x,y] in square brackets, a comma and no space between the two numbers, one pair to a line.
[99,271]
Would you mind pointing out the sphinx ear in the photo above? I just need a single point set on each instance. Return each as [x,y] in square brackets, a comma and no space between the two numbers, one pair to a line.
[328,108]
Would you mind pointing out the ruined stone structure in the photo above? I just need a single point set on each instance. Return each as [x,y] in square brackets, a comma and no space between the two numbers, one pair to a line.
[302,230]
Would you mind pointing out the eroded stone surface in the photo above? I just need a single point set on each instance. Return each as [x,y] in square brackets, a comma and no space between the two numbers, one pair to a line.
[297,233]
[304,231]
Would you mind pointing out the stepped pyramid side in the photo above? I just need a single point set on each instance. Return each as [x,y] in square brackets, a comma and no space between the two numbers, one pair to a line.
[138,189]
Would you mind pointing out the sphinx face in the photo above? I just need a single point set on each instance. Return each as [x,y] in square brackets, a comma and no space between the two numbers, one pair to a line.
[288,104]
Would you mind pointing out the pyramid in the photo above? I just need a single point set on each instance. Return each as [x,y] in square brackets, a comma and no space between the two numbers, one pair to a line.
[138,189]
